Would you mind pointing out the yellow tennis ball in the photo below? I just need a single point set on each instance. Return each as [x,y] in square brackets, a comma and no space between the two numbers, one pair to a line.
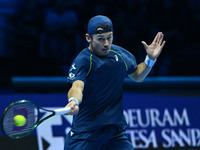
[19,120]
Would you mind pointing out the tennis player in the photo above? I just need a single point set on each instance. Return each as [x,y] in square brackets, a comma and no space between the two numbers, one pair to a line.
[95,97]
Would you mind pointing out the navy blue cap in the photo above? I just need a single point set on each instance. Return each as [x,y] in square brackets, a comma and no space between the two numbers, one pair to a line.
[97,21]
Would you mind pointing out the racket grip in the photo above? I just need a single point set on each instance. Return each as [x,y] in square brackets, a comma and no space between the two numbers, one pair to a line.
[62,111]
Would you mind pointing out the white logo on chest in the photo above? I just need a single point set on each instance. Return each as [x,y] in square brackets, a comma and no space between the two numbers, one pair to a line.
[116,58]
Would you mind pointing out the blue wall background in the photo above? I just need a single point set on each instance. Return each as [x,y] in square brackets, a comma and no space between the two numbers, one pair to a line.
[159,114]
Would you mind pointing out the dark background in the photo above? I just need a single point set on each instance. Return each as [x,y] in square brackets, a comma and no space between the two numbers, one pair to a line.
[41,37]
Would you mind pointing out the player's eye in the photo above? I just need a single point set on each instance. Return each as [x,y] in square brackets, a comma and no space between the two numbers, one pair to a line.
[109,37]
[101,39]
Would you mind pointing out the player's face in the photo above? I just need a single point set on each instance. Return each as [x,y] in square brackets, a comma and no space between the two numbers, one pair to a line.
[101,43]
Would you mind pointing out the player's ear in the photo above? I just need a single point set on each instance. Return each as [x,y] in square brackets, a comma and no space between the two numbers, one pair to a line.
[88,37]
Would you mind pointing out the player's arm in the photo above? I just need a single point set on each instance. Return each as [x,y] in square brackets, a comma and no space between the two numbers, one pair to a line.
[75,95]
[153,51]
[141,72]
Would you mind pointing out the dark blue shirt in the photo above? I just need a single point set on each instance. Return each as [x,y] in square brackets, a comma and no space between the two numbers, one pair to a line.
[102,96]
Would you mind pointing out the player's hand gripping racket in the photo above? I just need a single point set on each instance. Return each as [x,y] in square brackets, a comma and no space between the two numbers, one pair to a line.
[22,117]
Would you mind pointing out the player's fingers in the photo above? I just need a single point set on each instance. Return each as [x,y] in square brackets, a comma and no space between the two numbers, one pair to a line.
[156,38]
[145,44]
[161,36]
[74,110]
[163,44]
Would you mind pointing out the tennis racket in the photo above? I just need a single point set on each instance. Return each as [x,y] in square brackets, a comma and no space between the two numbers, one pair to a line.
[32,114]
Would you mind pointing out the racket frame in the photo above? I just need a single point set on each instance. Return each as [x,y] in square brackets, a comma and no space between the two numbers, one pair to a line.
[38,121]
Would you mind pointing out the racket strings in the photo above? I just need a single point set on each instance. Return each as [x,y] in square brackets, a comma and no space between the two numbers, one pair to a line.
[28,110]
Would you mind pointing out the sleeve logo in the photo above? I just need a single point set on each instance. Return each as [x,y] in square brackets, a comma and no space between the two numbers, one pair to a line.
[72,75]
[73,67]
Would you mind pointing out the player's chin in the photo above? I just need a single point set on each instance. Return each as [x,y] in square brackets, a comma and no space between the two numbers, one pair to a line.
[105,51]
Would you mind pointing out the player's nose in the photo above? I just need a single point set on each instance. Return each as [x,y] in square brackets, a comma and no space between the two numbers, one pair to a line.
[106,43]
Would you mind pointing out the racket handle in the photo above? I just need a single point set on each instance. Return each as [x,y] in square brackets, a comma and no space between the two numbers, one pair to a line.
[62,111]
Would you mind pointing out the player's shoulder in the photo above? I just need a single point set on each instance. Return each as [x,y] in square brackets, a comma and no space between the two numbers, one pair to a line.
[119,49]
[116,47]
[84,55]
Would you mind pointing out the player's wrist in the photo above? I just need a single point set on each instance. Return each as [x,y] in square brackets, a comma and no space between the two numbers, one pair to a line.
[149,62]
[73,99]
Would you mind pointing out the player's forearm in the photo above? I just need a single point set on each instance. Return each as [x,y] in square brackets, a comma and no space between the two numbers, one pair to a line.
[140,74]
[76,90]
[77,93]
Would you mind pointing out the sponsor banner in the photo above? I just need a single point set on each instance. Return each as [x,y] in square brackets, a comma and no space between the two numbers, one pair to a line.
[155,121]
[162,121]
[53,131]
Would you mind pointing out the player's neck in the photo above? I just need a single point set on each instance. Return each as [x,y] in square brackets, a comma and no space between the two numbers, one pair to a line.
[90,48]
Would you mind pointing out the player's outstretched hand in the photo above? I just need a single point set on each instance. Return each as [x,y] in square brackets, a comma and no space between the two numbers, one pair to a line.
[154,49]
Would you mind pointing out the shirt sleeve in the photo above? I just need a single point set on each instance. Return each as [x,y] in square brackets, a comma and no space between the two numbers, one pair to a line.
[78,70]
[130,61]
